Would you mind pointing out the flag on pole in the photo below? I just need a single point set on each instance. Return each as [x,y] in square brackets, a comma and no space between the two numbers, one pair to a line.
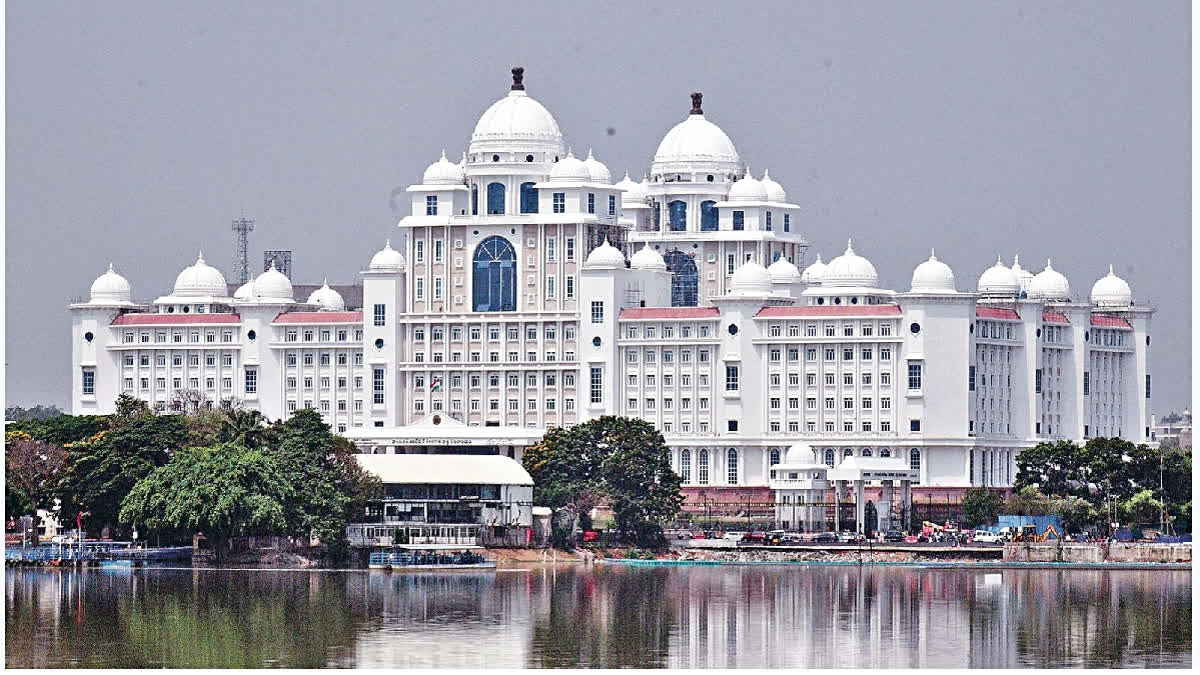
[437,384]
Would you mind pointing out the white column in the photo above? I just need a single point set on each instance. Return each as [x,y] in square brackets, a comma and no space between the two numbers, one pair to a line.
[906,499]
[885,507]
[837,501]
[860,506]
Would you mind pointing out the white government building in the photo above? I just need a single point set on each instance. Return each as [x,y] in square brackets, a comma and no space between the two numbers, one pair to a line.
[531,291]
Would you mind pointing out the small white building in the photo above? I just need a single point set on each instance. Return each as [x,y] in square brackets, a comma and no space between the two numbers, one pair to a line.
[800,487]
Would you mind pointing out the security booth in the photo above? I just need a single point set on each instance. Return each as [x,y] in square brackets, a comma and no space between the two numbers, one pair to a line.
[855,472]
[799,487]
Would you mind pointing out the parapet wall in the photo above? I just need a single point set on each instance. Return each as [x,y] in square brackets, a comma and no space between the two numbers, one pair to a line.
[1097,552]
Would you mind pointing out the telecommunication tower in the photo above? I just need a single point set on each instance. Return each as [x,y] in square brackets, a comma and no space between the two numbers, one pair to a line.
[242,227]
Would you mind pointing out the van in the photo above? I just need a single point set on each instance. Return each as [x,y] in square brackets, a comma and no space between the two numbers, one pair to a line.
[985,537]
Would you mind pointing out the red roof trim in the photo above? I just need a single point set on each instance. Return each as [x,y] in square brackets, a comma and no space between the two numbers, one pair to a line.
[319,317]
[1051,316]
[1106,321]
[997,313]
[632,313]
[829,310]
[174,319]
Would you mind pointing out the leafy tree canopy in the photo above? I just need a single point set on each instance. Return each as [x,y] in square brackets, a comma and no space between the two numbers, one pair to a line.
[981,506]
[619,460]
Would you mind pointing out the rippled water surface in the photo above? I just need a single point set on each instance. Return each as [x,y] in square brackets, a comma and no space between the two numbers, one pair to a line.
[604,616]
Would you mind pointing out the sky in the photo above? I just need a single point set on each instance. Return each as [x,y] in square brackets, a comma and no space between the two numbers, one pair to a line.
[136,131]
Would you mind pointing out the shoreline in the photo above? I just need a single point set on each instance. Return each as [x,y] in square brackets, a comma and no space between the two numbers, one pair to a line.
[907,563]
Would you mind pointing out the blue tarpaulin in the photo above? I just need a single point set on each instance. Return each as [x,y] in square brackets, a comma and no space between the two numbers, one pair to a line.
[1047,527]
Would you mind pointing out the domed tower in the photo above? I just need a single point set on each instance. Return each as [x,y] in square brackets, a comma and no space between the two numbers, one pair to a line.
[96,376]
[708,214]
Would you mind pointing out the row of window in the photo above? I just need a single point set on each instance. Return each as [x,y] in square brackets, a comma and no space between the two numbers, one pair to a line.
[176,337]
[668,355]
[668,332]
[514,405]
[327,334]
[210,359]
[324,358]
[830,329]
[528,200]
[830,379]
[436,382]
[493,357]
[513,332]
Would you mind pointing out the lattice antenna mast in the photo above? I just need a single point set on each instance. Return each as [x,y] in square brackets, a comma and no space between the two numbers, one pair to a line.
[242,227]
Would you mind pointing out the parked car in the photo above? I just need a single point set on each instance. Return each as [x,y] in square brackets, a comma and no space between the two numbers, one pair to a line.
[894,536]
[826,538]
[590,535]
[698,534]
[683,534]
[985,537]
[734,536]
[911,539]
[753,538]
[851,538]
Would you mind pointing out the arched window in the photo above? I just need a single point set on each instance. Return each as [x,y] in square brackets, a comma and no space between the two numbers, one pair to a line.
[708,216]
[685,466]
[495,276]
[703,468]
[656,209]
[847,452]
[829,457]
[684,279]
[731,466]
[914,459]
[774,456]
[866,452]
[529,198]
[678,212]
[495,199]
[474,199]
[885,453]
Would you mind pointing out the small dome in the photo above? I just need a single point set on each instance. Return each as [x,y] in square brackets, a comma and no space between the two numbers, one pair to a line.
[747,189]
[814,272]
[605,256]
[999,280]
[200,280]
[245,291]
[443,172]
[1023,275]
[933,276]
[569,169]
[1111,291]
[647,259]
[850,269]
[774,190]
[695,145]
[800,453]
[1050,285]
[516,123]
[597,172]
[272,285]
[750,279]
[632,193]
[387,260]
[111,287]
[329,299]
[782,271]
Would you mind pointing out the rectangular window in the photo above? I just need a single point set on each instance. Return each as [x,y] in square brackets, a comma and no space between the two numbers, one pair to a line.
[612,205]
[1147,386]
[251,380]
[597,385]
[769,228]
[431,205]
[739,220]
[570,248]
[597,311]
[591,202]
[731,378]
[1037,381]
[729,264]
[885,354]
[570,286]
[551,249]
[89,382]
[380,314]
[437,250]
[377,385]
[550,287]
[420,250]
[914,376]
[914,425]
[787,222]
[971,378]
[560,202]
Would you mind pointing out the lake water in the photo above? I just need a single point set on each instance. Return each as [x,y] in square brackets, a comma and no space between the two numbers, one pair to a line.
[600,616]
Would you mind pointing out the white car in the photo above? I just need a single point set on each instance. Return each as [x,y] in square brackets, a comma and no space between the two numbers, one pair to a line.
[734,536]
[985,537]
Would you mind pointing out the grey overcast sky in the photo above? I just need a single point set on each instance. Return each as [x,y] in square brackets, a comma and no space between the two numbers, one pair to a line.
[137,130]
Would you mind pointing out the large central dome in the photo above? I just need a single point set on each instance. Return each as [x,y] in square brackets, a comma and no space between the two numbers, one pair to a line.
[516,123]
[696,145]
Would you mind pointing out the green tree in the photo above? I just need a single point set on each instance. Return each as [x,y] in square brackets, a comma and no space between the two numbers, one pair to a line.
[1027,502]
[1052,468]
[38,412]
[622,461]
[104,468]
[1141,509]
[335,485]
[981,507]
[223,491]
[129,407]
[62,429]
[1076,513]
